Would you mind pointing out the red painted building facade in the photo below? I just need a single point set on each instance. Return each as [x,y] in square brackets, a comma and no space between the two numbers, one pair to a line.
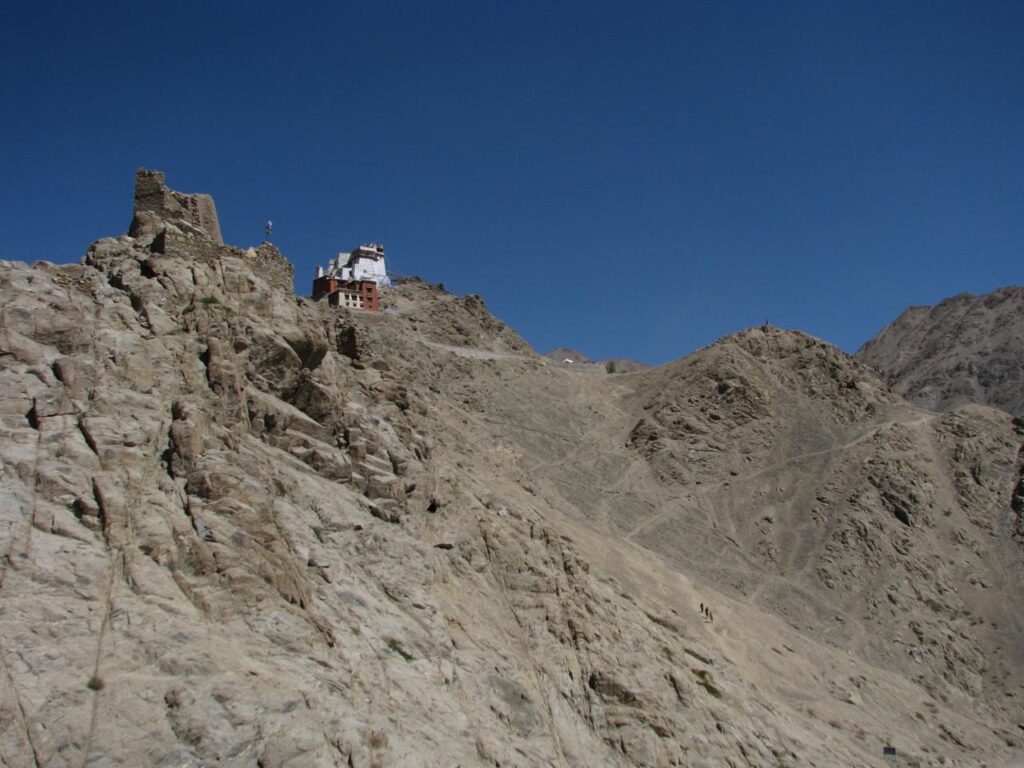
[351,279]
[354,294]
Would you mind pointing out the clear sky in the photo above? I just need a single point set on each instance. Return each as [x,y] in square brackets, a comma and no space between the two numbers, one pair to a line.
[631,179]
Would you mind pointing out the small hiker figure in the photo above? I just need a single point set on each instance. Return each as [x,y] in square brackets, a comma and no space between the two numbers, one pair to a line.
[269,228]
[702,607]
[711,616]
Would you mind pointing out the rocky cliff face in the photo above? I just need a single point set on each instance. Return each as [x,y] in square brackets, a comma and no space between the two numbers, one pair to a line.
[834,499]
[967,349]
[243,528]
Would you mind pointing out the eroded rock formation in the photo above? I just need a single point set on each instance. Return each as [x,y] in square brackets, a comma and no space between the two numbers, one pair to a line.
[966,349]
[243,528]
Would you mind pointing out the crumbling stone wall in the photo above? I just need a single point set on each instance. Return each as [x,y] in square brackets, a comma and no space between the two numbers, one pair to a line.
[274,268]
[186,226]
[172,243]
[156,205]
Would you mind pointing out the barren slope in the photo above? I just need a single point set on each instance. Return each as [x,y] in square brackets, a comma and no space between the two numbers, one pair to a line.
[241,528]
[785,474]
[966,349]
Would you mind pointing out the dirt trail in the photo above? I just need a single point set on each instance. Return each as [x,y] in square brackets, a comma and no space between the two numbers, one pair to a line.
[749,535]
[340,537]
[475,353]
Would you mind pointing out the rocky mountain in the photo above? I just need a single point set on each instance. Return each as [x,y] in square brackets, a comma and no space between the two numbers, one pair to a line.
[561,354]
[966,349]
[617,364]
[625,364]
[244,528]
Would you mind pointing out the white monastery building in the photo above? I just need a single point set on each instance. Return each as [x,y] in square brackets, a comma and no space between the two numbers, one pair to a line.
[351,279]
[364,263]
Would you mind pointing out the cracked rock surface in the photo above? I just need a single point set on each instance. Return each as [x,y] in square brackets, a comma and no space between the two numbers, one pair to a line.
[965,349]
[242,528]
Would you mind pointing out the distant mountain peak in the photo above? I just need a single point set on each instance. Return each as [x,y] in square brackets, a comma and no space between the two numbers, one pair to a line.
[965,349]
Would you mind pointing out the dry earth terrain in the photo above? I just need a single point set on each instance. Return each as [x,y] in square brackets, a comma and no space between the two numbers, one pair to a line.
[966,349]
[243,528]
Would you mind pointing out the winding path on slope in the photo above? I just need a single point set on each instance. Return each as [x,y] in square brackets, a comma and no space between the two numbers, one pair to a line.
[705,490]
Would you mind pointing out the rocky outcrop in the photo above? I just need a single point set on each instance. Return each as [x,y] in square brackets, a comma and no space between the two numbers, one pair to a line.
[244,528]
[462,321]
[966,349]
[228,542]
[789,453]
[723,410]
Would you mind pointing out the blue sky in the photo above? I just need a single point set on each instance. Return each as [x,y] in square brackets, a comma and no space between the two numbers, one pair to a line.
[630,179]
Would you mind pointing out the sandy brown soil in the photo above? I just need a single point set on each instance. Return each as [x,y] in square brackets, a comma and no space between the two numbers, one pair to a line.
[242,528]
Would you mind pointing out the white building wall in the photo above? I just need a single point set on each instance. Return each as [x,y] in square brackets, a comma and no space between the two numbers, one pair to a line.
[362,269]
[370,269]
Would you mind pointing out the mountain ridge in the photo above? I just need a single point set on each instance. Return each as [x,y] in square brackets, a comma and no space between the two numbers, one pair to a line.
[244,527]
[966,348]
